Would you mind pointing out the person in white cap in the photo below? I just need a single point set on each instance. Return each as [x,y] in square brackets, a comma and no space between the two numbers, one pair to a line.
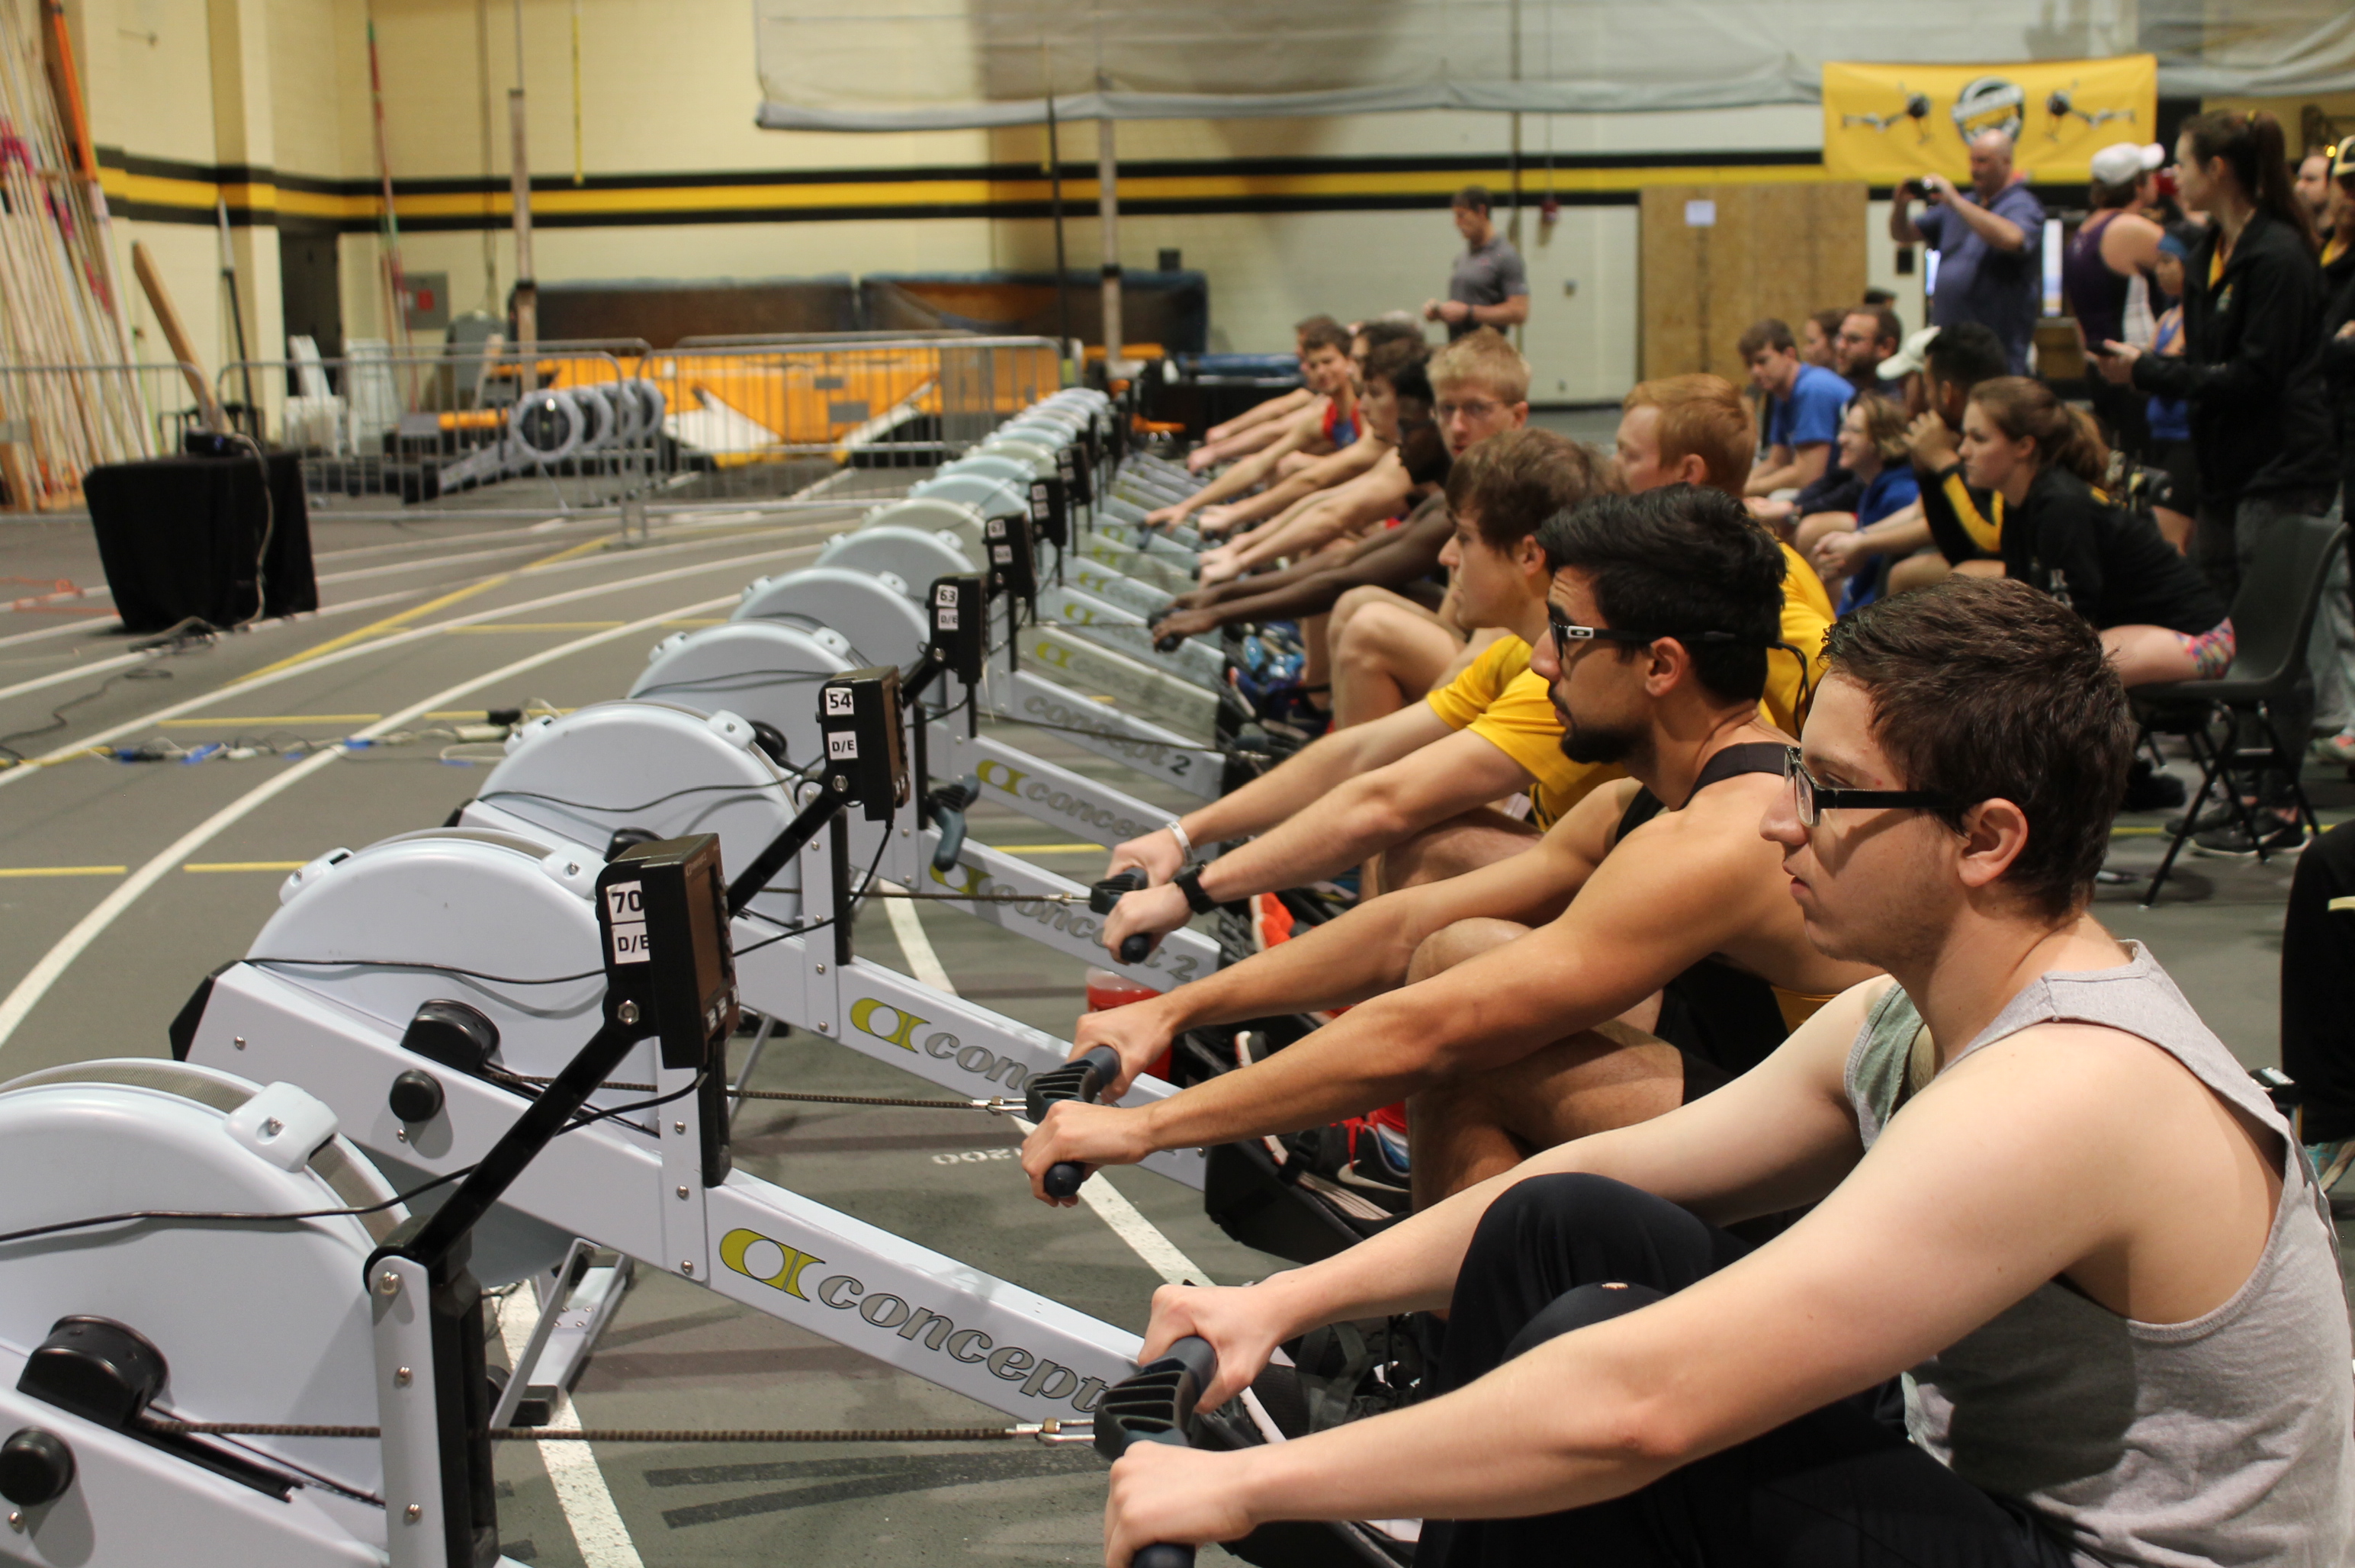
[2105,275]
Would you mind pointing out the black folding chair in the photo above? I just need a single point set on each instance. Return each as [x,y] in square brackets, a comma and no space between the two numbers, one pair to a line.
[2273,615]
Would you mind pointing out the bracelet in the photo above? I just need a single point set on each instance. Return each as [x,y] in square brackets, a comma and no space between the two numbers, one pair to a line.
[1185,845]
[1189,882]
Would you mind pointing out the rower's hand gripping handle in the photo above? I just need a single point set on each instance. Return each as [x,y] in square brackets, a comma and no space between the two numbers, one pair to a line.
[1154,1406]
[1104,897]
[1084,1080]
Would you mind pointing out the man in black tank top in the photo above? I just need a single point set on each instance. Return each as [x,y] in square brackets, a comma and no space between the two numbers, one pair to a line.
[1634,958]
[2039,1185]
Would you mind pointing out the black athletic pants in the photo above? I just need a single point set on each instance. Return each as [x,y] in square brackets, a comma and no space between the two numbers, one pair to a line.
[1837,1489]
[2317,987]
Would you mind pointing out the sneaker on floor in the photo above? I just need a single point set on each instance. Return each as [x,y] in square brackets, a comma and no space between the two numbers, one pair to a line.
[2215,814]
[2331,1161]
[2278,834]
[1360,1155]
[2338,748]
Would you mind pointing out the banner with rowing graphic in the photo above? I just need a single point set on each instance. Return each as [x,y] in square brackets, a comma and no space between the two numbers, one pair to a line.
[1884,124]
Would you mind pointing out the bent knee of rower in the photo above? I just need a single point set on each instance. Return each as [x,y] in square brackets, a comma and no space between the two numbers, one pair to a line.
[1452,945]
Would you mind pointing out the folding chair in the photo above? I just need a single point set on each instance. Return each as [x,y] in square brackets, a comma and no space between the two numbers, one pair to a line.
[2273,615]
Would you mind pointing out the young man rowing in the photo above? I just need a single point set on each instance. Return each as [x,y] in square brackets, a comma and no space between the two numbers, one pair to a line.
[2042,1189]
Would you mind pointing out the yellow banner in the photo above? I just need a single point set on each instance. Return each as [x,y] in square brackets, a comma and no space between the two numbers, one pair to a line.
[1883,124]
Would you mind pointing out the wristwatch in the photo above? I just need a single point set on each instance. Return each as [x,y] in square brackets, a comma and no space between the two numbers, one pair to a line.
[1189,882]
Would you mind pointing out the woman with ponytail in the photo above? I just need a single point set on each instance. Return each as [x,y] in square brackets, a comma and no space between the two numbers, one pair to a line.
[2251,363]
[2158,617]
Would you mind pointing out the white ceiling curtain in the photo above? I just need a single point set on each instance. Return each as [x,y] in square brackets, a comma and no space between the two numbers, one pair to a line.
[899,65]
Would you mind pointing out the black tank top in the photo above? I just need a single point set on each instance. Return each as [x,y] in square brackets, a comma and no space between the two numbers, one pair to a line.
[1727,1017]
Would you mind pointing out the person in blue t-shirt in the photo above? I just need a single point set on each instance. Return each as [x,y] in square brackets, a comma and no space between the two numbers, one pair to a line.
[1803,419]
[1987,239]
[1872,446]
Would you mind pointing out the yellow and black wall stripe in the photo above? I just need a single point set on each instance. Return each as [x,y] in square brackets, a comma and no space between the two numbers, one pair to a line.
[161,190]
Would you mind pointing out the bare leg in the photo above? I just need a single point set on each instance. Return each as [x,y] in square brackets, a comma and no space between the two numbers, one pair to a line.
[2145,656]
[1465,1130]
[1449,848]
[1388,652]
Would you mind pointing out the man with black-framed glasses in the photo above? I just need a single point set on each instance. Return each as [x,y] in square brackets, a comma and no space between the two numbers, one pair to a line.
[2040,1189]
[1633,959]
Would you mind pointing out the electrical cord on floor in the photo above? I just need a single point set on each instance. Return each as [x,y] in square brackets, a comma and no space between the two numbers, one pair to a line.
[187,636]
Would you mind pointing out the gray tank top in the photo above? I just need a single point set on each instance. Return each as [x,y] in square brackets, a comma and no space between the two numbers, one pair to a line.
[2220,1440]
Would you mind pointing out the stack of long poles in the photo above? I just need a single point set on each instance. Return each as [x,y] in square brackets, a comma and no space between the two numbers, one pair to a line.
[56,310]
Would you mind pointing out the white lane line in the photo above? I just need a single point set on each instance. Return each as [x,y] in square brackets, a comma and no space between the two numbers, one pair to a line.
[581,1494]
[53,963]
[1143,1238]
[397,639]
[76,672]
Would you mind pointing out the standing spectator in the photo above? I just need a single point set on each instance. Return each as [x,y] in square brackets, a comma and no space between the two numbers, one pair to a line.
[2112,251]
[1867,335]
[2338,363]
[1986,245]
[2168,420]
[1817,334]
[1804,409]
[1489,287]
[2251,370]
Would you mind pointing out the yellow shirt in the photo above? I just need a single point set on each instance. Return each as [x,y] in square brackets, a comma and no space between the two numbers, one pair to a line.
[1499,701]
[1806,616]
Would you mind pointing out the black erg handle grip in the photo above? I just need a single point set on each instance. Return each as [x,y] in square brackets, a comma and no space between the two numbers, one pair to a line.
[1083,1080]
[1105,895]
[1154,1406]
[948,804]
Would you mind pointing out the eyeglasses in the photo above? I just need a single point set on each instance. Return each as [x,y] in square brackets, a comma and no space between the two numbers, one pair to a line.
[1566,632]
[1812,799]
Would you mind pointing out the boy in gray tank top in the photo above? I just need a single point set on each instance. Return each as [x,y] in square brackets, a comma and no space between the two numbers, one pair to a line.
[2052,1220]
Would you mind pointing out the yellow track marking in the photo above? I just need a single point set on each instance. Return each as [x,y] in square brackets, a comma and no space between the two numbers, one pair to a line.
[272,719]
[64,870]
[244,865]
[536,626]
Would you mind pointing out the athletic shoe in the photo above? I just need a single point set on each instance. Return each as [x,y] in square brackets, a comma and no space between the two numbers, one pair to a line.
[2217,812]
[1358,1156]
[2147,789]
[2338,748]
[2278,834]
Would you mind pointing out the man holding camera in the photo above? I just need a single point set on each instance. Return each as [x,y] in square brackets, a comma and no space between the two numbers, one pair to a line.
[1986,241]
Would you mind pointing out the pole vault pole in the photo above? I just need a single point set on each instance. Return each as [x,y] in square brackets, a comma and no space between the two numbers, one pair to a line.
[526,287]
[1108,216]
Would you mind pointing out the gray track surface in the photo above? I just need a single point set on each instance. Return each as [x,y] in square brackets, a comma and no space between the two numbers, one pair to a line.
[676,1356]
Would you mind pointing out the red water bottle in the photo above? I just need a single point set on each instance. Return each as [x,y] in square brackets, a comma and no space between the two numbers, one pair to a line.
[1107,991]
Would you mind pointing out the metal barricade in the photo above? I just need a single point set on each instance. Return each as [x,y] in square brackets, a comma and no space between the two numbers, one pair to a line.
[569,428]
[764,420]
[58,422]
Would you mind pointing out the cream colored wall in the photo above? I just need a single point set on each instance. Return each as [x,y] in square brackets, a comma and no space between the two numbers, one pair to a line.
[669,86]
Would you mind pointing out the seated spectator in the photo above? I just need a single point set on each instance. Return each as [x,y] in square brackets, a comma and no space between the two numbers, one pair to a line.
[1966,525]
[2158,617]
[1872,447]
[1817,334]
[1867,335]
[1805,404]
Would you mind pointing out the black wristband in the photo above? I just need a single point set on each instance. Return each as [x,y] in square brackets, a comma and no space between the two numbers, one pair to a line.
[1189,882]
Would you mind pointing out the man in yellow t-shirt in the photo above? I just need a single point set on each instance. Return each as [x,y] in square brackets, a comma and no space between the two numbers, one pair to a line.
[1416,786]
[1696,429]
